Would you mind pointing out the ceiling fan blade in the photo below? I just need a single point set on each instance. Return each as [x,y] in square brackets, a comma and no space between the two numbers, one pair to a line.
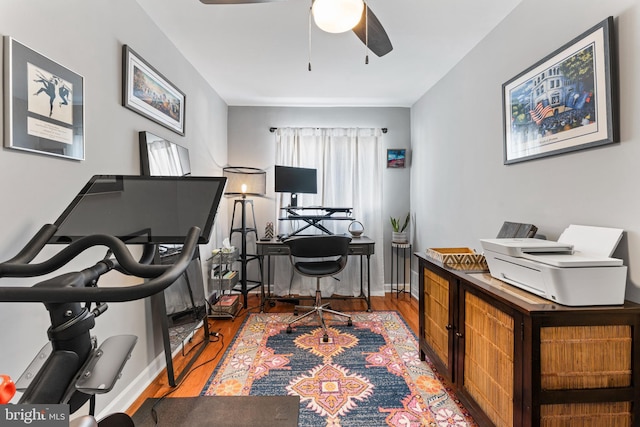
[378,42]
[236,1]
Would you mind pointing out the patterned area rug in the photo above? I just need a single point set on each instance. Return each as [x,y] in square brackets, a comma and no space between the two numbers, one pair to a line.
[369,374]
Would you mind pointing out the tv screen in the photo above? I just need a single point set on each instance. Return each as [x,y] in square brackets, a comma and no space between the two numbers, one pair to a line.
[159,157]
[295,180]
[142,209]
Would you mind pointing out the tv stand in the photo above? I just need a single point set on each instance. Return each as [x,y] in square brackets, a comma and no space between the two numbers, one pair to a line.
[322,213]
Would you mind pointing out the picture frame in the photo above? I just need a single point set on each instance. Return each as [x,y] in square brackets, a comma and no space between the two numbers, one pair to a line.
[565,102]
[396,157]
[43,104]
[150,94]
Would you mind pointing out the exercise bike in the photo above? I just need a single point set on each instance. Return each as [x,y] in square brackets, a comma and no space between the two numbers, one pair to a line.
[72,368]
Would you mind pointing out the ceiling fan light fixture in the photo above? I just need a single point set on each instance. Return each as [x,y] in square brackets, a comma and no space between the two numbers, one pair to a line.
[337,16]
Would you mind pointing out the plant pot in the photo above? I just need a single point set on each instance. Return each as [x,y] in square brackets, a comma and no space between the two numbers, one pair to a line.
[399,237]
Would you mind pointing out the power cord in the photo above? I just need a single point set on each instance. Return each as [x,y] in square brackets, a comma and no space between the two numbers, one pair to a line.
[219,337]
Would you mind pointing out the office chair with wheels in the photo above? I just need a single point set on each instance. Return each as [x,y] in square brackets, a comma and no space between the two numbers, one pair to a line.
[318,256]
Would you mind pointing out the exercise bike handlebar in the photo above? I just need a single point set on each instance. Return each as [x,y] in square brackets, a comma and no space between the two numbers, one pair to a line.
[161,275]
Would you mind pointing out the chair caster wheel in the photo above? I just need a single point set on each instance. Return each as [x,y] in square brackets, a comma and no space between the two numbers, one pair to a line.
[325,338]
[289,330]
[349,323]
[295,312]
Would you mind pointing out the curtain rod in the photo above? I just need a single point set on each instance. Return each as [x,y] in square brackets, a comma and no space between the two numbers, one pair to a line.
[272,129]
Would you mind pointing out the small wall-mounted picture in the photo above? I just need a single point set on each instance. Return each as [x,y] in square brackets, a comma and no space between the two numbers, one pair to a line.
[396,157]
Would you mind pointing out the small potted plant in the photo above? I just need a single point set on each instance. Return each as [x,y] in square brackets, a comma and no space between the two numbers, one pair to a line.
[399,235]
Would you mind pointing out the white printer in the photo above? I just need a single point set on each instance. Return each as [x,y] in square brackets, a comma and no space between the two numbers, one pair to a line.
[576,270]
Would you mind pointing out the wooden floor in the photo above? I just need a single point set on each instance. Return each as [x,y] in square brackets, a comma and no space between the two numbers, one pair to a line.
[194,382]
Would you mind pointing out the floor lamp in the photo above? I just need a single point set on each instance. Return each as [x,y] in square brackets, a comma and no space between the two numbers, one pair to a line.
[243,181]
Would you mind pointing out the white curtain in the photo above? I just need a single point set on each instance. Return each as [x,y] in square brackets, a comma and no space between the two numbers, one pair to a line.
[349,167]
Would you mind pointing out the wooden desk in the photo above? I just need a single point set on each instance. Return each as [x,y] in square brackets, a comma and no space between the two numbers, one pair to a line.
[359,246]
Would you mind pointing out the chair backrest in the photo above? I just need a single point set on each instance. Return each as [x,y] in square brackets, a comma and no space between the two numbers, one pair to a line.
[320,246]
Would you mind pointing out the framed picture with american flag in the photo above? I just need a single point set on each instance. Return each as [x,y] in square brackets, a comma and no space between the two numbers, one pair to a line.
[565,102]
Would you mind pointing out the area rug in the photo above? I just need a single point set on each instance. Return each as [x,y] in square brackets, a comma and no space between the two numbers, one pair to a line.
[369,374]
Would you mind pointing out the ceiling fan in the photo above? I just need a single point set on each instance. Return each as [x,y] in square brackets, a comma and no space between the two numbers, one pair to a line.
[368,28]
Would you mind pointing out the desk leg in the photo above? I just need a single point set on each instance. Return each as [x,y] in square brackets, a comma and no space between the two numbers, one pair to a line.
[368,283]
[362,276]
[264,295]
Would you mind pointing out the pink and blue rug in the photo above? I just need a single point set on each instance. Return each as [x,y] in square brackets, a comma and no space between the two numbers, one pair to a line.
[369,374]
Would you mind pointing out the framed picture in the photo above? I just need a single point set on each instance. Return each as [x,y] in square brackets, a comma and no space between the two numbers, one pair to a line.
[565,102]
[396,157]
[150,94]
[44,104]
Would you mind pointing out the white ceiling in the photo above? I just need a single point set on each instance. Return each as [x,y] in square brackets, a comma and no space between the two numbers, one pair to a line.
[257,54]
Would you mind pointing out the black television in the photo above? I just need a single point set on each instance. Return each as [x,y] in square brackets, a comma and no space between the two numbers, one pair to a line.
[142,209]
[295,180]
[160,157]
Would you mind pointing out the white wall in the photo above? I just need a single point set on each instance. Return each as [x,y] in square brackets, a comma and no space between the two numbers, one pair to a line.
[87,37]
[251,144]
[461,191]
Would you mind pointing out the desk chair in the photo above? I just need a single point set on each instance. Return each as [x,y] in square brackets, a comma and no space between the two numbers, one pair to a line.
[318,256]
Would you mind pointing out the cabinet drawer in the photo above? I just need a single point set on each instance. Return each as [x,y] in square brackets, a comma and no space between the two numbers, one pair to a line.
[274,250]
[489,358]
[358,250]
[436,314]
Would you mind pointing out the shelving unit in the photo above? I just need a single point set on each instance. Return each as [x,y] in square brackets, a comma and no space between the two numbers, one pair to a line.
[222,280]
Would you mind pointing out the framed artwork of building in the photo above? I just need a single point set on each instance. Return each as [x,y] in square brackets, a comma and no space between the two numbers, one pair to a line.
[565,102]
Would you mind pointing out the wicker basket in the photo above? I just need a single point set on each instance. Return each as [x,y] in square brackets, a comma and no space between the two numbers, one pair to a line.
[457,256]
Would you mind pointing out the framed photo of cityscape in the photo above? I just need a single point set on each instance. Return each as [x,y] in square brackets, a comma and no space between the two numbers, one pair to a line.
[565,102]
[150,94]
[44,104]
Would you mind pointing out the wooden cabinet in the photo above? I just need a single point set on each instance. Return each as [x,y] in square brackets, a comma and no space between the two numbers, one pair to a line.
[515,359]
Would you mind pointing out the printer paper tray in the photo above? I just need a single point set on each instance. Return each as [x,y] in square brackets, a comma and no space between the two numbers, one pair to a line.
[582,286]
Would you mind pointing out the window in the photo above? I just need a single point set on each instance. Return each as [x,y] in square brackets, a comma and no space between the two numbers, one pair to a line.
[349,164]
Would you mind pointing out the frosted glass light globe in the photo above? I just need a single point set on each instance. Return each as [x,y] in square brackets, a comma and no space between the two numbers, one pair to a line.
[337,16]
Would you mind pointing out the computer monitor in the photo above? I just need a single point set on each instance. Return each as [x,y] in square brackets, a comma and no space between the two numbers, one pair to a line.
[142,209]
[295,180]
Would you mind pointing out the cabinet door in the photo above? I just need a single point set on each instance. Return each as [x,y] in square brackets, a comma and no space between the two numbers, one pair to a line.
[486,349]
[438,316]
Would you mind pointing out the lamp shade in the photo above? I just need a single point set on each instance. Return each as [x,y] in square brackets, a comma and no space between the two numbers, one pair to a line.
[245,180]
[337,16]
